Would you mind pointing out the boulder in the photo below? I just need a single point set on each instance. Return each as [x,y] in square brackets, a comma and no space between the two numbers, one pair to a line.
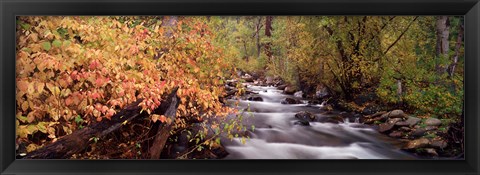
[281,87]
[249,79]
[314,102]
[321,92]
[289,100]
[269,80]
[419,132]
[257,75]
[395,114]
[431,128]
[369,119]
[388,125]
[433,122]
[298,94]
[439,143]
[431,152]
[385,127]
[412,120]
[255,98]
[418,143]
[305,115]
[348,116]
[301,123]
[396,134]
[278,81]
[404,128]
[378,114]
[240,73]
[334,119]
[289,90]
[401,123]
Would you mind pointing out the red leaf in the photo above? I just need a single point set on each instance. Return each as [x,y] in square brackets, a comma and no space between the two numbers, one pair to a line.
[99,82]
[68,101]
[93,65]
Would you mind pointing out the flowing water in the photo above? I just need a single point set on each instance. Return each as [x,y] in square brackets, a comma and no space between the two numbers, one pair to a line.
[275,135]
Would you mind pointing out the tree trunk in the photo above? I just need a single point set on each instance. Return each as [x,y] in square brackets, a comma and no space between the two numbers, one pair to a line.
[169,22]
[268,33]
[258,27]
[163,131]
[442,31]
[457,49]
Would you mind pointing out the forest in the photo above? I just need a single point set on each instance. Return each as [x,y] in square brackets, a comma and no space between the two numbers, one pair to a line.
[239,87]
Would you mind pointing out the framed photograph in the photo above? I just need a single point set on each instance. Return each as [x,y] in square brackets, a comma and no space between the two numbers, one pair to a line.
[239,87]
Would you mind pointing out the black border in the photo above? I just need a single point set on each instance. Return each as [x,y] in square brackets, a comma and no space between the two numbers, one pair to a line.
[9,9]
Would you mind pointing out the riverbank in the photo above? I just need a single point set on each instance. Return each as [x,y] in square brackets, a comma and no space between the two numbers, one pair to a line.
[423,136]
[288,127]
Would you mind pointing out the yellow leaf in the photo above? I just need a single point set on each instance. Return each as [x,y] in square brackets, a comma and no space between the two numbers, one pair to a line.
[155,117]
[22,131]
[40,87]
[32,147]
[30,117]
[25,106]
[31,88]
[56,91]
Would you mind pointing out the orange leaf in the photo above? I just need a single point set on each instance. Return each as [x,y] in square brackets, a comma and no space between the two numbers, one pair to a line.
[22,85]
[68,101]
[163,118]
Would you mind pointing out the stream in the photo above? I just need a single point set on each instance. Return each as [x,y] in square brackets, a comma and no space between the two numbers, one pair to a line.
[275,135]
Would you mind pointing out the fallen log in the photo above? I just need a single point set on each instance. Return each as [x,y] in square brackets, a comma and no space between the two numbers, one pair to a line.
[76,142]
[162,130]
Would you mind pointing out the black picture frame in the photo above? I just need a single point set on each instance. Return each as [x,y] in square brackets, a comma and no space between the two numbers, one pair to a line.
[10,8]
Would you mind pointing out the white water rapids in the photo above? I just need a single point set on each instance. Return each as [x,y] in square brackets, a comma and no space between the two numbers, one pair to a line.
[276,137]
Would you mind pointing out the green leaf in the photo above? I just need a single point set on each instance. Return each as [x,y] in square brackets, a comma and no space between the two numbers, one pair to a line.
[78,119]
[22,118]
[42,127]
[57,43]
[66,43]
[32,129]
[25,26]
[46,46]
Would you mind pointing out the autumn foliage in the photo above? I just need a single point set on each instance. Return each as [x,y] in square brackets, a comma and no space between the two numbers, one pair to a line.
[74,71]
